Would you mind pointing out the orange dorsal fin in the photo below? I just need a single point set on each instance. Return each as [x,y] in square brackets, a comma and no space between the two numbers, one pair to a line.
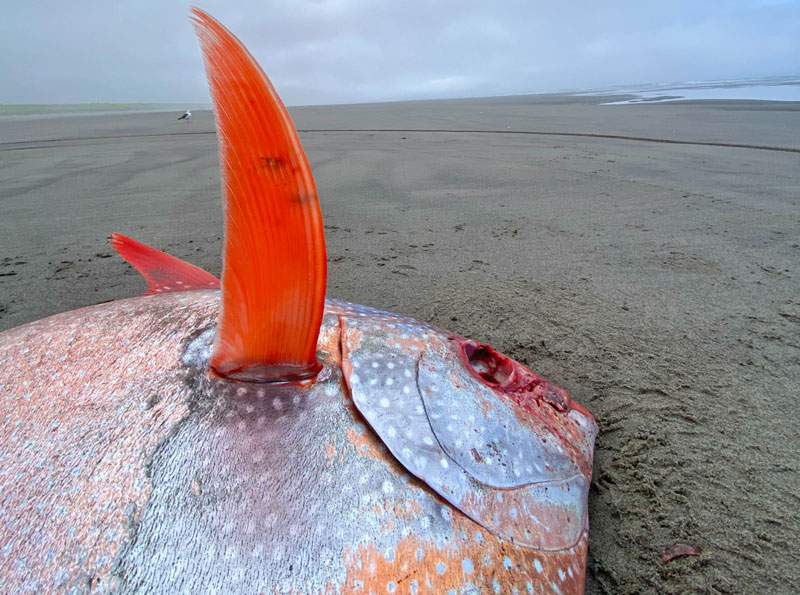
[163,273]
[274,266]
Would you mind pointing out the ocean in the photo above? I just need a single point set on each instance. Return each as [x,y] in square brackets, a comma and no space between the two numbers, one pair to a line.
[762,89]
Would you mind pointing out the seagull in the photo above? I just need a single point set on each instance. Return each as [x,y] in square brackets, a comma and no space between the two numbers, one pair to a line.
[187,115]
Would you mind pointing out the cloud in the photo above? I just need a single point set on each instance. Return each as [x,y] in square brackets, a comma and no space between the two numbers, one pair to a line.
[329,51]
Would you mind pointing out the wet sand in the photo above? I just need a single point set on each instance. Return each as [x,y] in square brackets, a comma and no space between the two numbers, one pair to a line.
[640,255]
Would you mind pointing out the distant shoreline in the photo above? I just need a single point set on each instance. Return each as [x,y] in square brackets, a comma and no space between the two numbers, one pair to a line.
[785,89]
[25,110]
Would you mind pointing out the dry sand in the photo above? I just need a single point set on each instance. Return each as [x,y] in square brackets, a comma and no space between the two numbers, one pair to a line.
[659,282]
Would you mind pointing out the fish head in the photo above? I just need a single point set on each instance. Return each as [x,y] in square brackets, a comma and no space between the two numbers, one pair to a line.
[473,423]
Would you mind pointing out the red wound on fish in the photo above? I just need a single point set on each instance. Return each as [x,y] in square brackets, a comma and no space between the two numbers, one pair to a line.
[163,273]
[274,265]
[509,377]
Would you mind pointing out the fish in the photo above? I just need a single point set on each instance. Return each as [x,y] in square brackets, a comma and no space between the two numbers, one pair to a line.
[248,434]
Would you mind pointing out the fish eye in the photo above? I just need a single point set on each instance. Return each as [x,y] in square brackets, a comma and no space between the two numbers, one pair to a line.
[487,364]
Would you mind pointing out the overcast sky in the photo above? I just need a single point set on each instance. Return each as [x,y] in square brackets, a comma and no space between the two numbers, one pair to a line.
[343,51]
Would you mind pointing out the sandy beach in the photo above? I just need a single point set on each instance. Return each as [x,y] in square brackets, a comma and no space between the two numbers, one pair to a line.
[645,257]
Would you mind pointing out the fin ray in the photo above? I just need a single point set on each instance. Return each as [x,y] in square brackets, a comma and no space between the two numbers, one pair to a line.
[164,273]
[274,264]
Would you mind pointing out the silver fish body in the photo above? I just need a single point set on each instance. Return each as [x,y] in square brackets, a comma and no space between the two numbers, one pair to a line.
[410,464]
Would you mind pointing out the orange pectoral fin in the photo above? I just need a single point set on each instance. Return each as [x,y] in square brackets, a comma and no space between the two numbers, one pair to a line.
[163,273]
[274,265]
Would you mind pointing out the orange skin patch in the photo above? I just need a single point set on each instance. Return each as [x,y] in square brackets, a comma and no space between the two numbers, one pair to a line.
[331,450]
[473,557]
